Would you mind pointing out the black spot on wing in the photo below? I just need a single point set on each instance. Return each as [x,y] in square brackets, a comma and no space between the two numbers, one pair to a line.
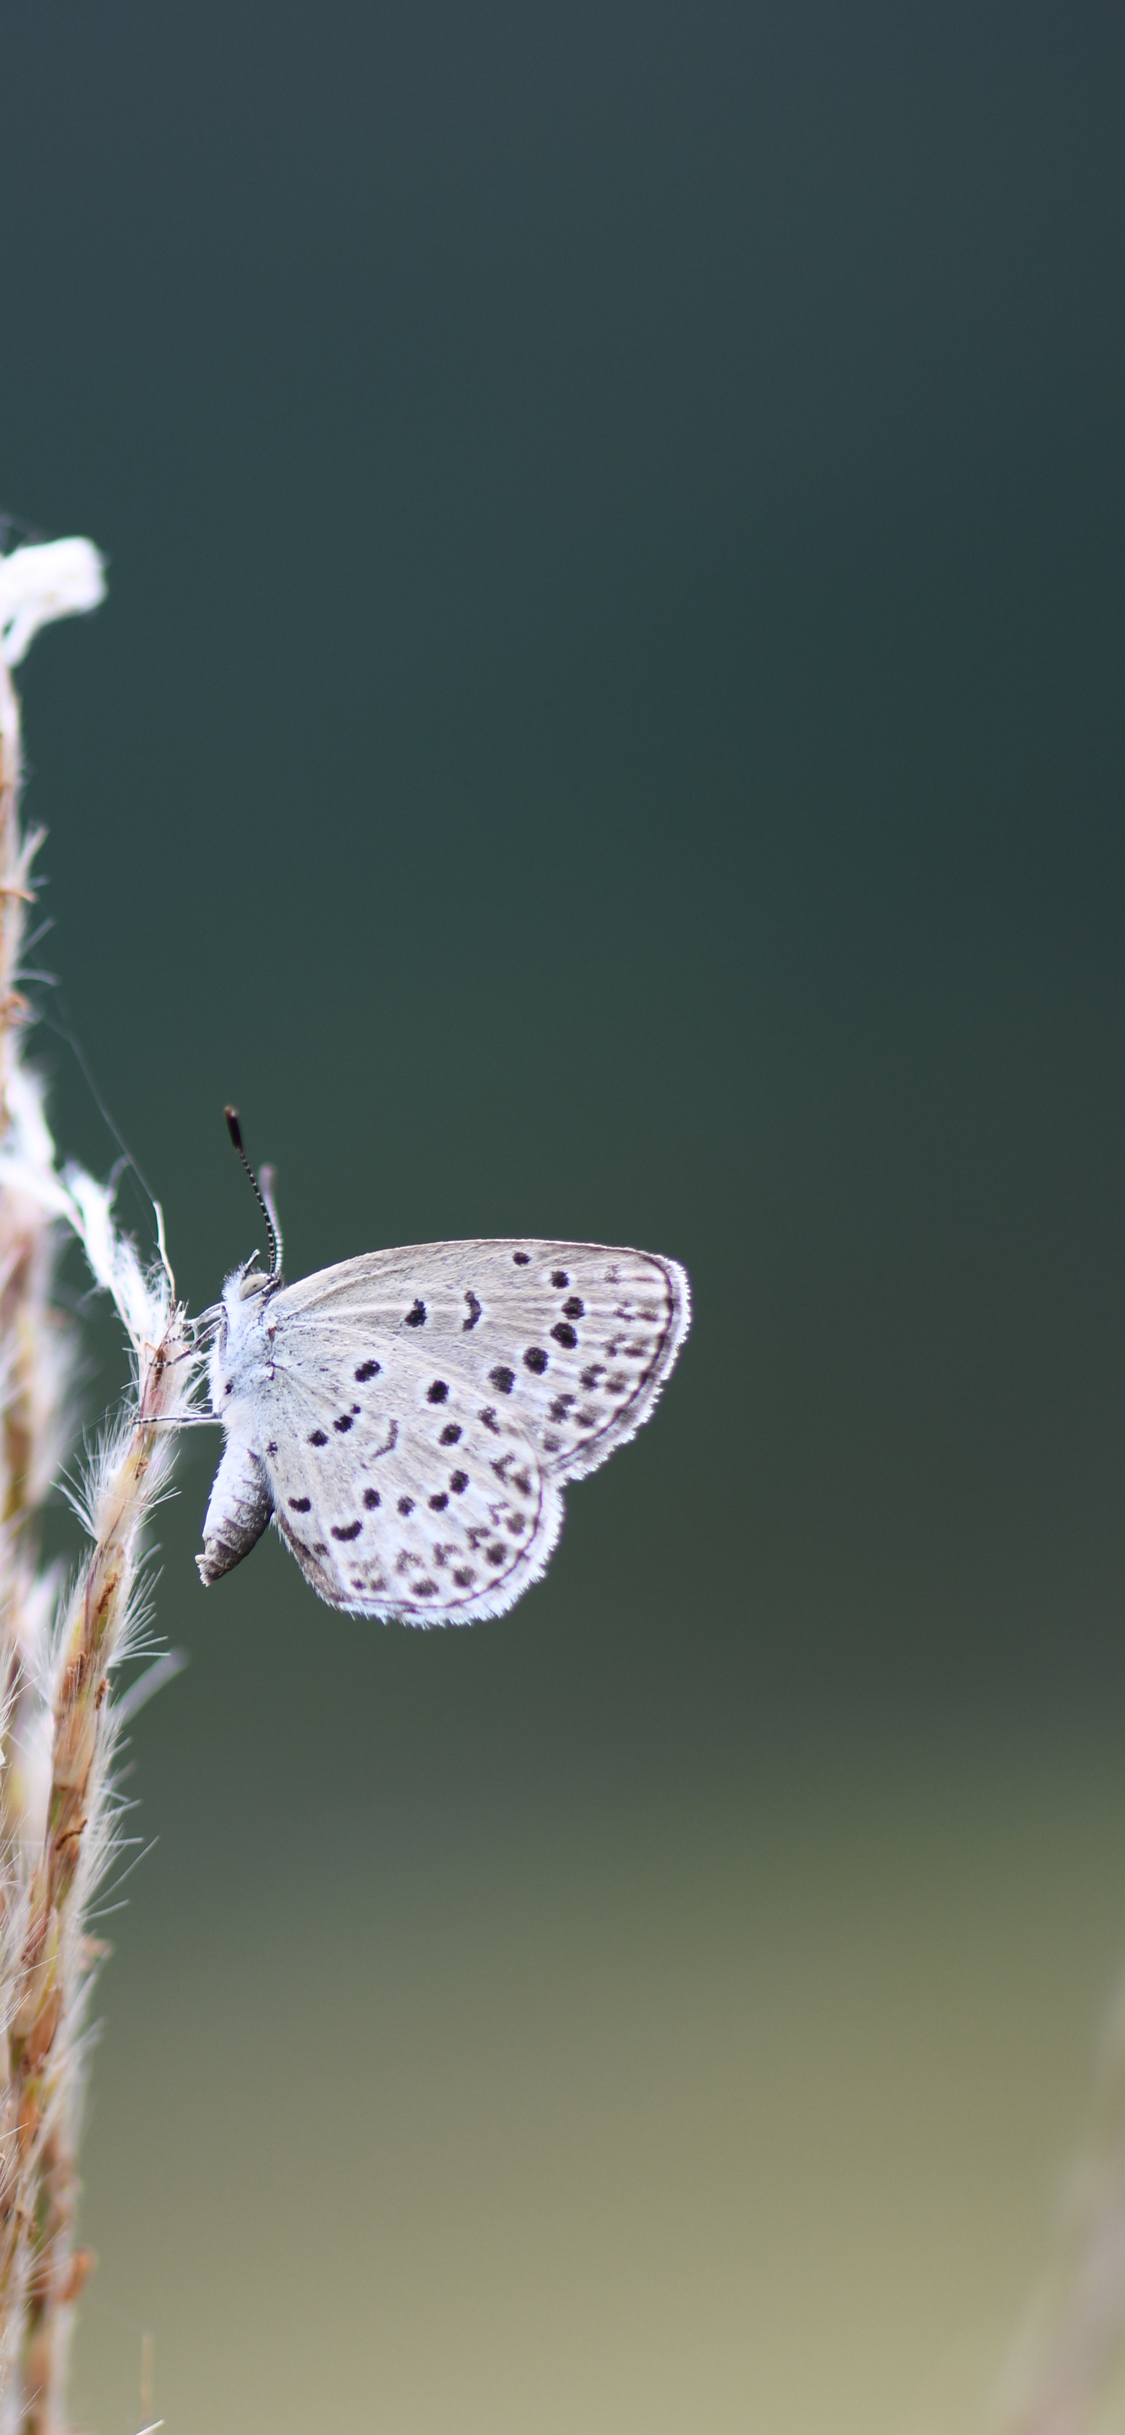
[559,1277]
[416,1317]
[346,1530]
[346,1421]
[503,1380]
[366,1370]
[317,1437]
[535,1360]
[450,1433]
[438,1393]
[301,1504]
[474,1313]
[522,1259]
[371,1499]
[564,1334]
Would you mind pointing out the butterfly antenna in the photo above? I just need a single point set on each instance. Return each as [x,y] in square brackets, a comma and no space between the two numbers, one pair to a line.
[264,1199]
[266,1178]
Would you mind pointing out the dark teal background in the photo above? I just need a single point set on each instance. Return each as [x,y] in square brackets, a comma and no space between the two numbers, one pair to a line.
[608,721]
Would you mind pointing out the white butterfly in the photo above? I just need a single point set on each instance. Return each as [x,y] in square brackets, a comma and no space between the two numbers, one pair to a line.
[408,1419]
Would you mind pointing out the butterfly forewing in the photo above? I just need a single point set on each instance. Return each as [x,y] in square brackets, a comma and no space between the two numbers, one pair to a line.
[571,1342]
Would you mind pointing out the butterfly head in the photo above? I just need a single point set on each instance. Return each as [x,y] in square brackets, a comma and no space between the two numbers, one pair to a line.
[245,1293]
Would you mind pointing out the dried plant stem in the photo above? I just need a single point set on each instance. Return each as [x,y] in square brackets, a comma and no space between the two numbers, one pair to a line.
[58,1810]
[31,1395]
[47,2023]
[14,859]
[32,1341]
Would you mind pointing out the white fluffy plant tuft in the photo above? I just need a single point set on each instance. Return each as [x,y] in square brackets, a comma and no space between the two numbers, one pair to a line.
[59,1815]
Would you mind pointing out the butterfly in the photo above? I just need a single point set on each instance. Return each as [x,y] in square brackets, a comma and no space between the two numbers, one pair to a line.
[408,1419]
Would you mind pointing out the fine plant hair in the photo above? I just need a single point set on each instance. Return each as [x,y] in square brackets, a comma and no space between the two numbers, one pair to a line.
[60,1815]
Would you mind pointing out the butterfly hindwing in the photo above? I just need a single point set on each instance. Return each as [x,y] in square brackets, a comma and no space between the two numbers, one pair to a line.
[418,1508]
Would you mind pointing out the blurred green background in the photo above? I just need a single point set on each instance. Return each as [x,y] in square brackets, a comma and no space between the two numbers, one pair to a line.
[608,721]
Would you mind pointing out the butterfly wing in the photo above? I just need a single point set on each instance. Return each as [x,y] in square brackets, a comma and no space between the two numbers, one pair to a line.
[570,1343]
[416,1511]
[417,1411]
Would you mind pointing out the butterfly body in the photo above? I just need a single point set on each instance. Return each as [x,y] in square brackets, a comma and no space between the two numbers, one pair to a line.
[408,1418]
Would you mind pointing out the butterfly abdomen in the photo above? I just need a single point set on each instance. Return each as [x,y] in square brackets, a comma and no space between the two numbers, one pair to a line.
[238,1511]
